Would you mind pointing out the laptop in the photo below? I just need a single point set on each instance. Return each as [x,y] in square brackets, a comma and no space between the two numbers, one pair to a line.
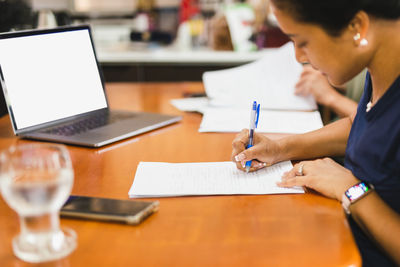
[54,90]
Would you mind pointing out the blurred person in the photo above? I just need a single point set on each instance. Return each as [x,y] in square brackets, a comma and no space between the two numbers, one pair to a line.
[266,31]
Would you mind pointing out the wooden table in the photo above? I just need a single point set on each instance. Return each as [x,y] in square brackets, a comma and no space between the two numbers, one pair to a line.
[266,230]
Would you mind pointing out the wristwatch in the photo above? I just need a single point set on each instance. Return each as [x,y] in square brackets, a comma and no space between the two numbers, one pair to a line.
[355,193]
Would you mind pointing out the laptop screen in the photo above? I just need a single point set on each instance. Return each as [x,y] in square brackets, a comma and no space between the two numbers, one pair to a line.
[50,76]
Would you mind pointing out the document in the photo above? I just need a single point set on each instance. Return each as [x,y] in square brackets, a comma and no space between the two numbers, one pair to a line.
[159,179]
[270,81]
[270,121]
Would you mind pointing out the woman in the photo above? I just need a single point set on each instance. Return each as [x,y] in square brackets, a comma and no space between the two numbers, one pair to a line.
[341,38]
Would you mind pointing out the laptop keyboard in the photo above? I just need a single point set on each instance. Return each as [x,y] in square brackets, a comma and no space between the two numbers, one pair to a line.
[81,126]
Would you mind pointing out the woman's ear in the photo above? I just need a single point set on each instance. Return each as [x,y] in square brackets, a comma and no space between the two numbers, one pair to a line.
[359,27]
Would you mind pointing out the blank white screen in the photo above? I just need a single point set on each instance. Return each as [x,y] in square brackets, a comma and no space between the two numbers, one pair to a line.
[51,76]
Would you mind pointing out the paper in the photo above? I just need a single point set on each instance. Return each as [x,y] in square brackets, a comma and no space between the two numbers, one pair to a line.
[270,81]
[157,179]
[191,104]
[270,121]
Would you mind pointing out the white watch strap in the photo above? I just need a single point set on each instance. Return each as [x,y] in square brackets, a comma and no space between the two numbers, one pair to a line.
[346,203]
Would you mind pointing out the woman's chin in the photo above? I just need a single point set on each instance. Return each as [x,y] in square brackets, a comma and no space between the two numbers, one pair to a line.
[334,81]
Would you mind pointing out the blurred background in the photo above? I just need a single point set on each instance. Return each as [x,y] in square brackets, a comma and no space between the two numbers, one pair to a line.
[157,40]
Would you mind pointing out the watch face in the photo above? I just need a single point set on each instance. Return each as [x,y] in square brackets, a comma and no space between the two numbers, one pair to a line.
[357,191]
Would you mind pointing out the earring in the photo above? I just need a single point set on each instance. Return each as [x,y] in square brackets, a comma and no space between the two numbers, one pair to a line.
[363,41]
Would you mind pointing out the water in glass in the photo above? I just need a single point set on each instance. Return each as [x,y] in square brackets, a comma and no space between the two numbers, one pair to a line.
[35,181]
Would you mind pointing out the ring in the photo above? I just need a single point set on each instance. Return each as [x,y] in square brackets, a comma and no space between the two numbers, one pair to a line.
[300,171]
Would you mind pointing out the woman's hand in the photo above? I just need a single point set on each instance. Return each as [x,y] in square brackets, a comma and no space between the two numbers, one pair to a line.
[323,175]
[263,153]
[313,82]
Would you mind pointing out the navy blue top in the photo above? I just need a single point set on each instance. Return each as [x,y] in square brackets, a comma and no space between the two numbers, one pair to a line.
[373,155]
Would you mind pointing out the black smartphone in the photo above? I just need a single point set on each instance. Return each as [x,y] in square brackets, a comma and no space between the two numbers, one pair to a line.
[107,209]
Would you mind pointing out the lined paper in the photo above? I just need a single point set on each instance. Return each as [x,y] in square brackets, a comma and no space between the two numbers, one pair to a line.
[160,179]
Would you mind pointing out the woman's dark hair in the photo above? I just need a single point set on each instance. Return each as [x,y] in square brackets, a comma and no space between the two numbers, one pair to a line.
[334,15]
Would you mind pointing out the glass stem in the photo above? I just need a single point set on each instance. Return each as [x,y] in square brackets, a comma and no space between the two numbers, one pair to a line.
[39,224]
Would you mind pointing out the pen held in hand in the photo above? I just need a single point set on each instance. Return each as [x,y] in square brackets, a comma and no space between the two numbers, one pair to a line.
[254,115]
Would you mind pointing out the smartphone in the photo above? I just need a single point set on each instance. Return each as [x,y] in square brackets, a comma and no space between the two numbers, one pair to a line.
[106,209]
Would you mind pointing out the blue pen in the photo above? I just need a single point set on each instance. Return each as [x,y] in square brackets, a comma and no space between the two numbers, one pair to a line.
[255,114]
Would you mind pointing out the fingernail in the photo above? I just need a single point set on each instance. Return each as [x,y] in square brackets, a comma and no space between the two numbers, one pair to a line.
[240,157]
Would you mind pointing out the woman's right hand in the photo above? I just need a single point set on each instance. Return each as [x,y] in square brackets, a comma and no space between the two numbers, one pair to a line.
[264,152]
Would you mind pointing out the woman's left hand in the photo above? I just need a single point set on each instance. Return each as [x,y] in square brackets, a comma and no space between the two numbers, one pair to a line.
[323,175]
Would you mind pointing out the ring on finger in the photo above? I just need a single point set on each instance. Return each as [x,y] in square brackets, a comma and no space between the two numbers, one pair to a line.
[300,170]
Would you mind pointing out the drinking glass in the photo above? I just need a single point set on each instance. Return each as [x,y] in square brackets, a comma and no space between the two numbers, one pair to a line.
[35,181]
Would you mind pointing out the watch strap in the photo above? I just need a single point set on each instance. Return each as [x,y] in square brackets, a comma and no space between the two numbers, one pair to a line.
[346,204]
[355,193]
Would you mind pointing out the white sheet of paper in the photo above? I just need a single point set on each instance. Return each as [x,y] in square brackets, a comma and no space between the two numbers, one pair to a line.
[191,104]
[270,80]
[270,121]
[159,179]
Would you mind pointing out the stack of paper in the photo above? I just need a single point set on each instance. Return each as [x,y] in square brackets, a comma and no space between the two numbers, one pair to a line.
[270,81]
[158,179]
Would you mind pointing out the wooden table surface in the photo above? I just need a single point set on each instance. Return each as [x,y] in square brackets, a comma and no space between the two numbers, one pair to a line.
[265,230]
